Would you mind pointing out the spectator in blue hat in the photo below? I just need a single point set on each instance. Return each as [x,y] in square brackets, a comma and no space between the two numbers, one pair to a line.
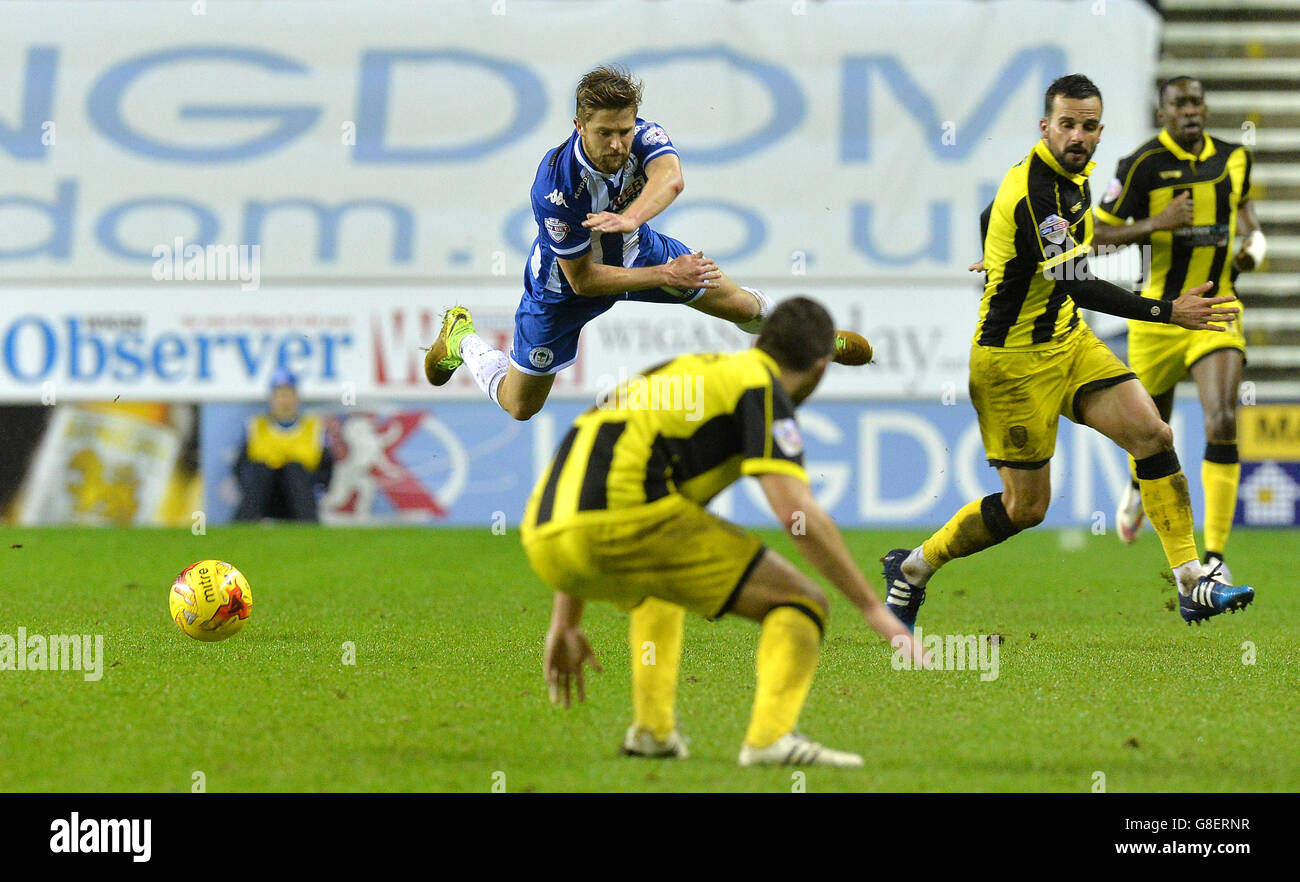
[285,463]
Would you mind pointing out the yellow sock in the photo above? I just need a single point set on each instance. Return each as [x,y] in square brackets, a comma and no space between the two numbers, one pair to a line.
[979,524]
[1220,474]
[1168,504]
[787,658]
[655,635]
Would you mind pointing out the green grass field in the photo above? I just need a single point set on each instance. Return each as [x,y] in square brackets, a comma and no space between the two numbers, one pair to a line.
[1096,673]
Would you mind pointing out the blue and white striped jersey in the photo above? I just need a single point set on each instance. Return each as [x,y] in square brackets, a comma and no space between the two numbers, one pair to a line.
[566,189]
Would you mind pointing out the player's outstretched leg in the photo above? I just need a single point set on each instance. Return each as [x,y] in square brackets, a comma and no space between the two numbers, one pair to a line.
[979,524]
[655,630]
[1126,414]
[518,394]
[1129,515]
[792,610]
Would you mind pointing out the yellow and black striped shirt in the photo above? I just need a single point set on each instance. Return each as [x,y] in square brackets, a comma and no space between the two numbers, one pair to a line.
[1035,232]
[691,427]
[1148,179]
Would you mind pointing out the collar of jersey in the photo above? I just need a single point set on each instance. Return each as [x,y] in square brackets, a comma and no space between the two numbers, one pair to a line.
[1046,156]
[768,361]
[582,161]
[1172,146]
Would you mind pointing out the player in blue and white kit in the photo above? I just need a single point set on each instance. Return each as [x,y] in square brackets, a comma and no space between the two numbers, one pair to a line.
[592,198]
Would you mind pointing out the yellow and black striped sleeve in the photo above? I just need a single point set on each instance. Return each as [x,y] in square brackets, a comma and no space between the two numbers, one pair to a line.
[769,434]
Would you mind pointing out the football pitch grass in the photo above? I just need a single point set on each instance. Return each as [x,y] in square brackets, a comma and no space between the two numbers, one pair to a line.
[1097,673]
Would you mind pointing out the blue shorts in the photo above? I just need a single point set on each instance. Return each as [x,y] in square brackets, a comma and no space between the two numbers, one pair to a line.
[546,332]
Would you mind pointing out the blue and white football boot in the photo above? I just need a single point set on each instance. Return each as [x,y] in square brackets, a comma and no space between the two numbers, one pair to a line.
[901,596]
[1211,597]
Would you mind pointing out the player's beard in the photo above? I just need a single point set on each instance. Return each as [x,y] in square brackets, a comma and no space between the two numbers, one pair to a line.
[1074,162]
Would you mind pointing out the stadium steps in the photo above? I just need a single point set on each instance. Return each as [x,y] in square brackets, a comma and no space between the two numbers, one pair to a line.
[1247,55]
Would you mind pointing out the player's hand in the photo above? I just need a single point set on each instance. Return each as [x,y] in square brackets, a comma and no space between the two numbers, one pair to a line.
[609,222]
[566,652]
[691,271]
[1178,213]
[1242,261]
[977,266]
[887,625]
[1192,310]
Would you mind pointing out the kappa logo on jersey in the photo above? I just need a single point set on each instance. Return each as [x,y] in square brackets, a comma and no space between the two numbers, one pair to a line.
[786,434]
[556,229]
[654,135]
[1054,229]
[1113,189]
[1174,173]
[541,357]
[557,198]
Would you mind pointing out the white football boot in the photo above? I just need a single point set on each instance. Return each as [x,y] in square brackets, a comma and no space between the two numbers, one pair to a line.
[1129,515]
[642,742]
[797,750]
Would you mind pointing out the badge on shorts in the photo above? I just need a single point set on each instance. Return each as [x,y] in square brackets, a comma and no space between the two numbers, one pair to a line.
[787,437]
[556,229]
[1054,229]
[540,357]
[1019,436]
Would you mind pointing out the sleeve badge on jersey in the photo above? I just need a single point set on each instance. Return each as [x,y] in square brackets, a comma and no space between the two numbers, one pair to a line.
[1113,189]
[1054,229]
[786,434]
[556,229]
[654,135]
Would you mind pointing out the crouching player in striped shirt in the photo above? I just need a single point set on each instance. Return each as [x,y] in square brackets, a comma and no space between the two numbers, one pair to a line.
[619,517]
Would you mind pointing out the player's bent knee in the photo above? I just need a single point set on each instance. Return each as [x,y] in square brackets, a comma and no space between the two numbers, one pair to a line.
[1163,436]
[816,597]
[1026,513]
[805,605]
[522,410]
[1151,438]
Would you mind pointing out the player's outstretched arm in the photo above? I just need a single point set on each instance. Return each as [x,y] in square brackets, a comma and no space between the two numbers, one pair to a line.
[1191,310]
[590,279]
[663,184]
[567,650]
[820,543]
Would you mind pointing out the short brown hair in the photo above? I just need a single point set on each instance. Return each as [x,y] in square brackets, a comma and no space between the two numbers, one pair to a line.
[798,333]
[607,88]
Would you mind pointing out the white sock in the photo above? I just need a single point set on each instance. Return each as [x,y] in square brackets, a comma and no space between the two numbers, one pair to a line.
[488,365]
[1188,575]
[916,569]
[765,306]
